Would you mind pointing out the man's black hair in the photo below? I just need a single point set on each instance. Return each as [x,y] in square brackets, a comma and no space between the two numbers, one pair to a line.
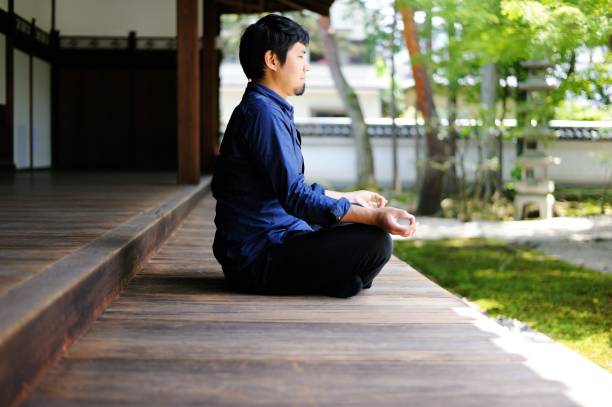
[271,33]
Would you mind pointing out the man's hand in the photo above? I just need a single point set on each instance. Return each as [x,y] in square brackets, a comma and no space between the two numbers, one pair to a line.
[367,199]
[396,221]
[391,220]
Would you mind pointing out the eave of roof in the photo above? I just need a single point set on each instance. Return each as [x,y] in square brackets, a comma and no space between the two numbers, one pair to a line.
[261,6]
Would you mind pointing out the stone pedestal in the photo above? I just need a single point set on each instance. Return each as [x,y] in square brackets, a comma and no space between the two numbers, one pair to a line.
[535,187]
[544,203]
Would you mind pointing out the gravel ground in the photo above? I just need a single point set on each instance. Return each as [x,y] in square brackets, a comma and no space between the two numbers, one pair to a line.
[582,241]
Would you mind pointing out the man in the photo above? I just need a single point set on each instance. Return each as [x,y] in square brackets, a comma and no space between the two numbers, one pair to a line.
[275,233]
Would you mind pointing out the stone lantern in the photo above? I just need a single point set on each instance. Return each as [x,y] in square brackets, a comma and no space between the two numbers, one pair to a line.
[535,187]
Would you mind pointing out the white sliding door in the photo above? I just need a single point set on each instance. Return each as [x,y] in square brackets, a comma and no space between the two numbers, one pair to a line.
[21,129]
[41,107]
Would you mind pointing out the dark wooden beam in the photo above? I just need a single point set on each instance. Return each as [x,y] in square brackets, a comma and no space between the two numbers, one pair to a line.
[132,84]
[54,46]
[261,6]
[210,84]
[53,6]
[31,98]
[7,161]
[188,85]
[55,97]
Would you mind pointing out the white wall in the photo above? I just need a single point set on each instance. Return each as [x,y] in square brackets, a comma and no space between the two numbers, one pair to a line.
[41,86]
[303,106]
[320,90]
[331,160]
[118,17]
[580,161]
[4,5]
[38,9]
[21,135]
[2,69]
[316,98]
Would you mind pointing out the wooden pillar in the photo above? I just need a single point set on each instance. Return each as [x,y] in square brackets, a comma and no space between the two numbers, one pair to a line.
[31,96]
[132,44]
[7,161]
[55,67]
[54,45]
[188,85]
[52,15]
[210,84]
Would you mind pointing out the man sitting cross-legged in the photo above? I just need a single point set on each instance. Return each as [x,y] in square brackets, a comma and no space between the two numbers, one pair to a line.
[275,233]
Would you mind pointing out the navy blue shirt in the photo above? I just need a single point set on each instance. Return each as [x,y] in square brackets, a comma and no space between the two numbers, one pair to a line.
[259,182]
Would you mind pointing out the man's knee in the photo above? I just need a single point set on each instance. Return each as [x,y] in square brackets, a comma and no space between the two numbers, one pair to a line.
[387,245]
[384,244]
[380,244]
[380,249]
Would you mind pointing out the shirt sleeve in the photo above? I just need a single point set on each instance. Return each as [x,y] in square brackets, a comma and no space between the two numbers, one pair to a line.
[318,188]
[279,160]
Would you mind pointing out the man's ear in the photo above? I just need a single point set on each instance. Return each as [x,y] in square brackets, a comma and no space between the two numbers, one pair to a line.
[271,60]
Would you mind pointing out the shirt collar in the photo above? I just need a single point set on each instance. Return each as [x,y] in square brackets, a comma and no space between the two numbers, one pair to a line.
[282,102]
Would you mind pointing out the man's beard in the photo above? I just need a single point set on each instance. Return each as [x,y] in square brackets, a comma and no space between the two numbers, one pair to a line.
[299,91]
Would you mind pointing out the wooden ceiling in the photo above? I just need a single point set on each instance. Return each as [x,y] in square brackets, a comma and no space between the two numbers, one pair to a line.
[261,6]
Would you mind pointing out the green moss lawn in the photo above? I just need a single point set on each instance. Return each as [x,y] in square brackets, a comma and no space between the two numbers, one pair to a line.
[571,304]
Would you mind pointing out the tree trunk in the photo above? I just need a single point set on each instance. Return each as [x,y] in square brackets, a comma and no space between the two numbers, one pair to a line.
[520,98]
[437,156]
[418,143]
[365,161]
[488,98]
[397,181]
[451,182]
[500,137]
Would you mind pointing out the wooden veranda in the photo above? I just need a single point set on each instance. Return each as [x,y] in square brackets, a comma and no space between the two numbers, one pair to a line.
[177,336]
[110,294]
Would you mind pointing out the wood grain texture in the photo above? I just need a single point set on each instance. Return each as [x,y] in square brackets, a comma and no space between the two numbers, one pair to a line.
[188,91]
[115,110]
[42,315]
[46,215]
[176,336]
[210,84]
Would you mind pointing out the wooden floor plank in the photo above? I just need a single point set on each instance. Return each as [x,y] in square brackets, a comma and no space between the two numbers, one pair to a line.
[297,382]
[46,215]
[51,296]
[176,336]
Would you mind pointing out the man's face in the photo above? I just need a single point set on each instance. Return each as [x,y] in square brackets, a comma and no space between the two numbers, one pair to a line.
[292,75]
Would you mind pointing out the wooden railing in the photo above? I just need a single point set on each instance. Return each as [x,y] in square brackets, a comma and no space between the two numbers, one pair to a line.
[28,37]
[118,42]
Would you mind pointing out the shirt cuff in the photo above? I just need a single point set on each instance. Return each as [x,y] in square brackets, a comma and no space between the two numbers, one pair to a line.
[340,209]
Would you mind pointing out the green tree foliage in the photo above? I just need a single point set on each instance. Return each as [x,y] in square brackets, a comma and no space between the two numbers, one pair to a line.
[470,34]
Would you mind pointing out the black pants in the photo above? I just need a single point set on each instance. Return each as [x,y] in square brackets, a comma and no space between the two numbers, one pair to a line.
[337,261]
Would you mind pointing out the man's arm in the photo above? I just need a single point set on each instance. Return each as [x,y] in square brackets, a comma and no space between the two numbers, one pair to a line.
[366,199]
[334,194]
[371,210]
